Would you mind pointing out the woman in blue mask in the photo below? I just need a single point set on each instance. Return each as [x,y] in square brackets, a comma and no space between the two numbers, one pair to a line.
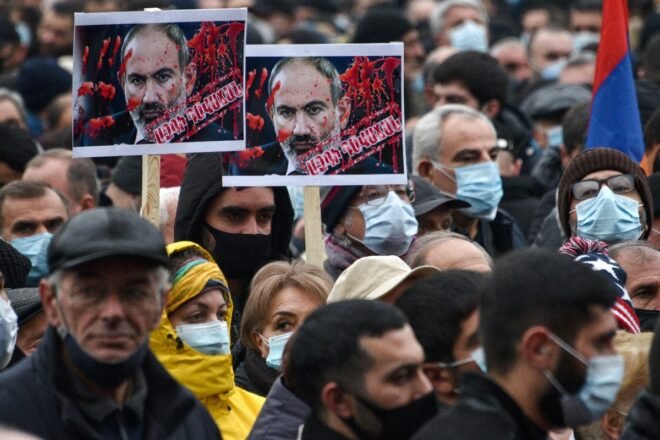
[604,195]
[366,220]
[282,295]
[192,341]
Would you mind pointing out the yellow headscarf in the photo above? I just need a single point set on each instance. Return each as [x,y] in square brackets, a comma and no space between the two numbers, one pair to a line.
[204,375]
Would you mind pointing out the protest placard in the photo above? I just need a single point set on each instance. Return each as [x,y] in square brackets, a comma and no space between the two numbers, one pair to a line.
[322,115]
[156,82]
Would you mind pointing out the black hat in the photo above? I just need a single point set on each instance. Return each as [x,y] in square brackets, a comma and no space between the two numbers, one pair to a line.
[428,197]
[127,175]
[554,100]
[382,25]
[105,232]
[335,203]
[25,302]
[40,80]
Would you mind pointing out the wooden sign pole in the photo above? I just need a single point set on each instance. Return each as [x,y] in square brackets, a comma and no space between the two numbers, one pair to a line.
[313,228]
[150,209]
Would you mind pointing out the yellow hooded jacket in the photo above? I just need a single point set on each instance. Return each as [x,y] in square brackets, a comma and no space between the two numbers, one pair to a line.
[209,377]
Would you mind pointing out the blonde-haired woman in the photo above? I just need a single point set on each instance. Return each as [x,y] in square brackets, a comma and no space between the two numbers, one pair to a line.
[192,340]
[282,295]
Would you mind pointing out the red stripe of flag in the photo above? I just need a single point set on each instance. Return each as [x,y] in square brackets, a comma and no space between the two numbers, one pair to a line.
[613,39]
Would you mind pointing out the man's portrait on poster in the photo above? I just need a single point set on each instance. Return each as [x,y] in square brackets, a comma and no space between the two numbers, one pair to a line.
[321,115]
[159,83]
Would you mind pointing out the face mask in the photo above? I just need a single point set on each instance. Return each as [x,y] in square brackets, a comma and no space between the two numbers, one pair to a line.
[480,185]
[479,358]
[554,136]
[584,39]
[276,346]
[604,376]
[390,226]
[105,375]
[239,256]
[398,423]
[647,319]
[553,70]
[8,332]
[469,36]
[608,217]
[35,247]
[207,338]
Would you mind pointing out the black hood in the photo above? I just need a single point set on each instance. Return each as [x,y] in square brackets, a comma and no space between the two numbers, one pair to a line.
[202,181]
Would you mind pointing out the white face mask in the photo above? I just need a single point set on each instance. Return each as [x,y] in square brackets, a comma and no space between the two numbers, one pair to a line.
[469,35]
[207,338]
[8,332]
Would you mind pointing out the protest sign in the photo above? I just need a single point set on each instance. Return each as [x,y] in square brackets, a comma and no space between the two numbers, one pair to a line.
[322,115]
[156,82]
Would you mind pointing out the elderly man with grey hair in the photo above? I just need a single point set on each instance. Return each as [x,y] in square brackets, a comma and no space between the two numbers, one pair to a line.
[93,375]
[455,147]
[461,24]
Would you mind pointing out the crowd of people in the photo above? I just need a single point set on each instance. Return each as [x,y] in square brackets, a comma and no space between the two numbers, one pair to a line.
[509,290]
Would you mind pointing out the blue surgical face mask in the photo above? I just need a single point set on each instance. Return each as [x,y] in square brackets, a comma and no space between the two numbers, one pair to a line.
[207,338]
[479,358]
[608,217]
[554,136]
[390,225]
[469,35]
[276,346]
[35,247]
[604,376]
[584,39]
[553,70]
[8,332]
[480,185]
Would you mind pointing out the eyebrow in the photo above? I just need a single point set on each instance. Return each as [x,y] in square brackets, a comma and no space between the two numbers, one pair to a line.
[469,152]
[409,366]
[22,224]
[284,313]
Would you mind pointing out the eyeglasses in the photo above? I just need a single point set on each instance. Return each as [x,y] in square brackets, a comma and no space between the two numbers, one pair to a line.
[376,195]
[586,189]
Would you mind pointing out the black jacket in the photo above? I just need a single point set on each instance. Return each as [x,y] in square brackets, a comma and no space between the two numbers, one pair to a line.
[281,416]
[314,429]
[253,375]
[484,411]
[643,421]
[500,235]
[36,397]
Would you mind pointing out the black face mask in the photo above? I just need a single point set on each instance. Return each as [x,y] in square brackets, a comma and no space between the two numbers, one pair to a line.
[647,319]
[398,423]
[104,374]
[239,256]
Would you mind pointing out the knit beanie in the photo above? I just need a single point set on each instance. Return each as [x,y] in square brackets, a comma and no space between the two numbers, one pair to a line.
[127,174]
[14,266]
[599,159]
[335,203]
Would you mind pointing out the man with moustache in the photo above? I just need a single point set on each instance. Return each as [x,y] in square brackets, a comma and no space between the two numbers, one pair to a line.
[158,78]
[308,110]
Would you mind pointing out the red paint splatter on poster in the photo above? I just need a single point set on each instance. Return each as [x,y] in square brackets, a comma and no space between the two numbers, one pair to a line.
[115,49]
[283,135]
[262,81]
[271,98]
[86,88]
[107,91]
[96,125]
[104,50]
[243,158]
[122,66]
[133,103]
[255,122]
[85,58]
[248,83]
